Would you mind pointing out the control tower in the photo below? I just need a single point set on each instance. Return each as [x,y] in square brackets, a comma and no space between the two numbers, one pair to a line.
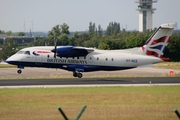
[145,14]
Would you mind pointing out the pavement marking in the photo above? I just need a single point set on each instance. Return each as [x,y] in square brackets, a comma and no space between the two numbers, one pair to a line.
[100,85]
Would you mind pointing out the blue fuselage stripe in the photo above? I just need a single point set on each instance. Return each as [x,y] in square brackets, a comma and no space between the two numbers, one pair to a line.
[69,67]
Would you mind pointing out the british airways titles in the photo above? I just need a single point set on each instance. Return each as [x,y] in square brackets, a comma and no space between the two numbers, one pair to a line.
[68,61]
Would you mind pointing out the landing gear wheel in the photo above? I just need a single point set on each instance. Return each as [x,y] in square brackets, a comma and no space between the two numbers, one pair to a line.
[19,71]
[74,74]
[79,75]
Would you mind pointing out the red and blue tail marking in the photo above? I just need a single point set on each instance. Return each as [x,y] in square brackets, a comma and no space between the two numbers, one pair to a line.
[157,43]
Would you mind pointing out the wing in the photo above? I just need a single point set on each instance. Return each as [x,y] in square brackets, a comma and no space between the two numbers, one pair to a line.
[71,51]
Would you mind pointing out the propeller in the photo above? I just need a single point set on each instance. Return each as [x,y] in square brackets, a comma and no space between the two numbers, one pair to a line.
[55,48]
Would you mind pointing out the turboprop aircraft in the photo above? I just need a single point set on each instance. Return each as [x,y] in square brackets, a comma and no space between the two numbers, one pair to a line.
[83,59]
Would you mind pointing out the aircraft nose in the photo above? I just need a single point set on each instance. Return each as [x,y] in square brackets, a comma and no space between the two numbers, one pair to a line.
[8,60]
[11,60]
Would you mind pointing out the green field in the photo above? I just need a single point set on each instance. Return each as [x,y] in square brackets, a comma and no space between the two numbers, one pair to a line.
[168,65]
[103,103]
[7,66]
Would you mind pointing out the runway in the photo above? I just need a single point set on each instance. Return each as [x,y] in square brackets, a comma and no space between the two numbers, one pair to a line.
[42,77]
[90,82]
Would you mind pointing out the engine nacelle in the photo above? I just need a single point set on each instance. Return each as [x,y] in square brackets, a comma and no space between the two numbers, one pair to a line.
[69,51]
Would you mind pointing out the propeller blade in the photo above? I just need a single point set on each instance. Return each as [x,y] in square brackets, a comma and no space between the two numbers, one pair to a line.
[55,48]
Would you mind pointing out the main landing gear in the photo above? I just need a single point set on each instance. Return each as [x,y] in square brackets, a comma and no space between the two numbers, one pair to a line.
[77,74]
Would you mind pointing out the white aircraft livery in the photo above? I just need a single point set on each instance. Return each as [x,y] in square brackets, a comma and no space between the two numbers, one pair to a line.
[82,59]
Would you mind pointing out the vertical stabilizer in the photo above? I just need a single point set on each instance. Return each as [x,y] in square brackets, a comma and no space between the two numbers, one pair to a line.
[156,44]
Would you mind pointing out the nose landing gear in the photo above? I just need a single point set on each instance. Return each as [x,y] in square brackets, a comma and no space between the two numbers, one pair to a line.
[20,67]
[19,71]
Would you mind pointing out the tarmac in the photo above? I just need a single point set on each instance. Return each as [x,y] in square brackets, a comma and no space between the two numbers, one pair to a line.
[32,73]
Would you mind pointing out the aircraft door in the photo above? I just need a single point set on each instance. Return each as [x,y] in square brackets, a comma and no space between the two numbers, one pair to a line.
[90,58]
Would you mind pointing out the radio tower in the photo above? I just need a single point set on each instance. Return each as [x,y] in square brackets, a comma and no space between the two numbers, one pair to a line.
[145,14]
[32,27]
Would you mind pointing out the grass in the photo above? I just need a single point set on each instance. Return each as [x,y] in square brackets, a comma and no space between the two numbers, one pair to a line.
[169,65]
[7,66]
[103,103]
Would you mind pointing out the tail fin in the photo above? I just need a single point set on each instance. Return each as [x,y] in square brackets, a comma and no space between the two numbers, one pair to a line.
[156,44]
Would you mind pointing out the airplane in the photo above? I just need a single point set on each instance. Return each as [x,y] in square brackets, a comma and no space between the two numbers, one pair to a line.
[83,59]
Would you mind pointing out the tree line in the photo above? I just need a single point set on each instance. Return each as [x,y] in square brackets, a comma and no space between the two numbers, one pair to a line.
[10,33]
[112,38]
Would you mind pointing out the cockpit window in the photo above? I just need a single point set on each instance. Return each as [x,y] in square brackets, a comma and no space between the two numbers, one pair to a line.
[23,52]
[27,52]
[20,52]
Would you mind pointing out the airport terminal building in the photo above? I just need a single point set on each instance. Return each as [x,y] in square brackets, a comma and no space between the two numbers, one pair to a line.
[19,40]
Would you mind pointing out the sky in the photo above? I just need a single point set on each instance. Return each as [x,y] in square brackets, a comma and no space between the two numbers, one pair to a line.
[42,15]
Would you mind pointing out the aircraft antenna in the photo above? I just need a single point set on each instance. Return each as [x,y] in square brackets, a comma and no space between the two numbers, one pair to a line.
[24,24]
[32,28]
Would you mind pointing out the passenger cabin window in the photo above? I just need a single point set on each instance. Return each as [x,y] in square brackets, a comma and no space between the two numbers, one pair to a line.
[27,52]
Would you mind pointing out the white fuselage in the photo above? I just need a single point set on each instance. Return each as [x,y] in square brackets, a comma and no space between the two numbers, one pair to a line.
[82,59]
[96,60]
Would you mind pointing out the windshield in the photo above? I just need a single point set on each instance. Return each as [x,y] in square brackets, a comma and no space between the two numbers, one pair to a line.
[23,52]
[27,52]
[20,52]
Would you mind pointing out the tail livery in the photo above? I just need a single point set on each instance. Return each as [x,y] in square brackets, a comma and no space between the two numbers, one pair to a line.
[156,44]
